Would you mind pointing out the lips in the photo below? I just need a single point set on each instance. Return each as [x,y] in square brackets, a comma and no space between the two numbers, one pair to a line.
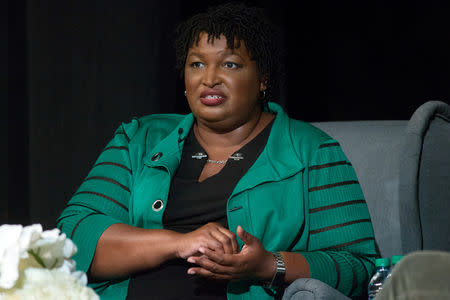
[212,97]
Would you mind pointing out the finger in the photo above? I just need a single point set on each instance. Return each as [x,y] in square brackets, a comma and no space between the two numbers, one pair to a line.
[246,237]
[233,240]
[211,266]
[213,244]
[208,274]
[219,258]
[193,259]
[224,239]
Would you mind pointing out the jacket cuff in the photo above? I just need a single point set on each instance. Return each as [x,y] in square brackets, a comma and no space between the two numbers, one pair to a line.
[320,267]
[86,236]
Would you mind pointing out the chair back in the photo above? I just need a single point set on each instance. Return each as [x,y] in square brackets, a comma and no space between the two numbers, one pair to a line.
[404,171]
[425,179]
[374,148]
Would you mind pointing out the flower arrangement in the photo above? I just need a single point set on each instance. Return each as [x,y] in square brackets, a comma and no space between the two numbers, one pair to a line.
[37,264]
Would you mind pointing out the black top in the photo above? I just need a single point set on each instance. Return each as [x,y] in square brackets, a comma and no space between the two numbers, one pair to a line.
[192,204]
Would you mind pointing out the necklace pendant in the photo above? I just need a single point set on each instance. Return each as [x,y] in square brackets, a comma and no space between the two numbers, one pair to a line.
[199,155]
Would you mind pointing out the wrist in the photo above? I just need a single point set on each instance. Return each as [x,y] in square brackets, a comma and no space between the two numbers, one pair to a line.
[173,245]
[166,241]
[268,267]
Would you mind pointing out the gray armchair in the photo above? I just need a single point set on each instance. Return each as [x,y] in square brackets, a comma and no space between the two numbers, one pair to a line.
[404,171]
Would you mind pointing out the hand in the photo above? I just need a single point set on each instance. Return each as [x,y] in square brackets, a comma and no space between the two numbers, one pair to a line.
[253,262]
[210,236]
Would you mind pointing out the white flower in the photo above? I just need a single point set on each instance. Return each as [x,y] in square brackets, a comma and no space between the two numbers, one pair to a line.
[47,284]
[53,248]
[29,246]
[37,264]
[15,242]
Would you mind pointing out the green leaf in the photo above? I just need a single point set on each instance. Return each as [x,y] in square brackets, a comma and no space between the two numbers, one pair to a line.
[37,258]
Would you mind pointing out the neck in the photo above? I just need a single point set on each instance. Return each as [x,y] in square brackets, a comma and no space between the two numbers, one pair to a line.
[222,140]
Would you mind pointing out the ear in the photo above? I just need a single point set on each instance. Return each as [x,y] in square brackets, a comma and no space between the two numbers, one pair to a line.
[263,83]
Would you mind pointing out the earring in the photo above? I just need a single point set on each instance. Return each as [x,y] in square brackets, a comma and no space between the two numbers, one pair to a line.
[185,93]
[263,94]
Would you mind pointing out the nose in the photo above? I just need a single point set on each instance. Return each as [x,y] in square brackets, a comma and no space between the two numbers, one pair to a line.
[211,76]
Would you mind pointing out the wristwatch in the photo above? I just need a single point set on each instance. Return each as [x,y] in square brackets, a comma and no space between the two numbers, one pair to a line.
[280,272]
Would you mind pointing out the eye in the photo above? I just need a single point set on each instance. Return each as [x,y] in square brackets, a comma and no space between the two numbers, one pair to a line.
[196,65]
[231,65]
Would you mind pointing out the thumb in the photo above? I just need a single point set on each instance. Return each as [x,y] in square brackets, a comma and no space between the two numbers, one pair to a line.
[246,237]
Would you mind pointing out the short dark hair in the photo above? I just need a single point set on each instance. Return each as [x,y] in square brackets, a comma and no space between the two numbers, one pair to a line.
[237,22]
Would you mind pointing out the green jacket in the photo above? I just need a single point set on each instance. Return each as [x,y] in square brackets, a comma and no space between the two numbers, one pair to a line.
[300,195]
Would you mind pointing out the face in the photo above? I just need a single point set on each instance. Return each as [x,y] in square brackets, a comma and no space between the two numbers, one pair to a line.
[222,85]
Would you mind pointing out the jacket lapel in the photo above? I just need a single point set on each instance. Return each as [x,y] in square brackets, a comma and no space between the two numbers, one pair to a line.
[278,160]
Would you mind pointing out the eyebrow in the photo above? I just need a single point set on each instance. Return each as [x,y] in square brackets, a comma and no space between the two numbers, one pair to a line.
[195,54]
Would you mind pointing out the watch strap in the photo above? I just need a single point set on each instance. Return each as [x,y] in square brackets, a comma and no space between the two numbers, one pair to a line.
[280,272]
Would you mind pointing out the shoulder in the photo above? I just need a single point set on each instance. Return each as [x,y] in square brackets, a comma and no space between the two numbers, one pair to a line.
[308,132]
[306,138]
[157,125]
[303,137]
[301,132]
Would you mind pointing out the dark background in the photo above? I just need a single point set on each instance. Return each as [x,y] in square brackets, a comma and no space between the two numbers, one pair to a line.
[77,69]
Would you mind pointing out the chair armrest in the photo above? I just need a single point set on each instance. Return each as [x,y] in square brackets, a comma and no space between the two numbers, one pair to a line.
[312,289]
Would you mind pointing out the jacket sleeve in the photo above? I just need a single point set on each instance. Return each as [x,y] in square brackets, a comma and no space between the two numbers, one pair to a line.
[341,245]
[101,200]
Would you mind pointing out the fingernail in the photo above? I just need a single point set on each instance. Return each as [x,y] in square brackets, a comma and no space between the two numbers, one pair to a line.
[191,260]
[201,250]
[190,271]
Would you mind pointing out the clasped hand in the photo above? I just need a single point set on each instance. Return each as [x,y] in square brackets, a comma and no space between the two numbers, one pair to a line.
[215,252]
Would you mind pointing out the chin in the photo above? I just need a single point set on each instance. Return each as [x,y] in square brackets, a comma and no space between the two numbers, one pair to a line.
[211,114]
[212,118]
[221,124]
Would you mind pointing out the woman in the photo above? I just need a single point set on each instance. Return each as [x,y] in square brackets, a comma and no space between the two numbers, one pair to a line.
[233,200]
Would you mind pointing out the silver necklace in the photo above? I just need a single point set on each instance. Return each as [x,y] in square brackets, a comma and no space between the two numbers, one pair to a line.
[217,161]
[235,156]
